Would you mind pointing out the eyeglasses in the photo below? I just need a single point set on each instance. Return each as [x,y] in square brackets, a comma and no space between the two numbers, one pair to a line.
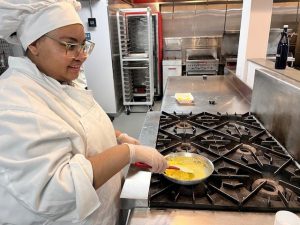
[74,49]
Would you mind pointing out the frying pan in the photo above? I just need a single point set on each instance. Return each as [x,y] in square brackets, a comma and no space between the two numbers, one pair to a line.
[202,161]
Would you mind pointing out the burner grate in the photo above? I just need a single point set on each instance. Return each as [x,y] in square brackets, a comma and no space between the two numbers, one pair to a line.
[252,170]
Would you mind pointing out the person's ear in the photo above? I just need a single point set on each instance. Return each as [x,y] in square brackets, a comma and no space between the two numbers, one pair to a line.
[33,48]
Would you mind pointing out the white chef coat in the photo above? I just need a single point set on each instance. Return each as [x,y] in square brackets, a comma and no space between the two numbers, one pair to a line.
[81,81]
[47,131]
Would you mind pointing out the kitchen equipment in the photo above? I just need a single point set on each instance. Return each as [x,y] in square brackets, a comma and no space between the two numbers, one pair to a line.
[252,170]
[203,168]
[157,46]
[172,51]
[135,32]
[146,166]
[171,67]
[202,61]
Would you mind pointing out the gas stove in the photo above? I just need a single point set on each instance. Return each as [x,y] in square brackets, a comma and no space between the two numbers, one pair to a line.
[253,171]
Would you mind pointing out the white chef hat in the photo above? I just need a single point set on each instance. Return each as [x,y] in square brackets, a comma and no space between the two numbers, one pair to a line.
[31,19]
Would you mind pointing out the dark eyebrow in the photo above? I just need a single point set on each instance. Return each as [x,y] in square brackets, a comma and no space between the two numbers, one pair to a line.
[73,39]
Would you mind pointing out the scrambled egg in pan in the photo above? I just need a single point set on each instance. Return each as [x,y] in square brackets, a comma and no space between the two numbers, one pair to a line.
[197,168]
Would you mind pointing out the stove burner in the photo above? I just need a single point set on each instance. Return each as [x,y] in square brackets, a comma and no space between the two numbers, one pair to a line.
[270,189]
[214,137]
[206,120]
[215,142]
[186,147]
[198,190]
[227,170]
[246,150]
[237,130]
[183,125]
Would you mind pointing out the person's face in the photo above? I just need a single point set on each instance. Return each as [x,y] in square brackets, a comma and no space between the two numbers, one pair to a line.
[51,58]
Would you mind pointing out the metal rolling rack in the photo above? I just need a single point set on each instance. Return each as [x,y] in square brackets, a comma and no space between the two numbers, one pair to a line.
[5,51]
[136,57]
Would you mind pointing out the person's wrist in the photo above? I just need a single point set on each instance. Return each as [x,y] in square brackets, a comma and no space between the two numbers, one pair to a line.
[132,149]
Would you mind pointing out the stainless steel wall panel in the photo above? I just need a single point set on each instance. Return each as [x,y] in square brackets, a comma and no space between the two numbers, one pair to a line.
[230,44]
[276,102]
[233,18]
[190,24]
[284,14]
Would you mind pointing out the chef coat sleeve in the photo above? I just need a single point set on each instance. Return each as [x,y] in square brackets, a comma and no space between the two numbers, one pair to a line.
[39,168]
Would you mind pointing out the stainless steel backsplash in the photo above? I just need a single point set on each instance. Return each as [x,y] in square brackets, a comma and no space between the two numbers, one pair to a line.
[276,103]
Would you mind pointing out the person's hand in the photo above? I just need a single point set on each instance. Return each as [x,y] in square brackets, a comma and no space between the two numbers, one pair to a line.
[125,138]
[148,155]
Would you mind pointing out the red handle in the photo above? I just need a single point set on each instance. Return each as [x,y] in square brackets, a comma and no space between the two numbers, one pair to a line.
[142,165]
[146,166]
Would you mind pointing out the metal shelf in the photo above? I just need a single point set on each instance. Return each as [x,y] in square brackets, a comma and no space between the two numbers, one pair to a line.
[135,68]
[134,59]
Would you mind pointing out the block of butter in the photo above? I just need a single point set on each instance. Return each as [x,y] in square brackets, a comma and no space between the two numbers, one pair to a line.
[184,98]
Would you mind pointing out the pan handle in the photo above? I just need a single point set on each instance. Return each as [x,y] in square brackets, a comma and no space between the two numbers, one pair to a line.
[146,166]
[142,165]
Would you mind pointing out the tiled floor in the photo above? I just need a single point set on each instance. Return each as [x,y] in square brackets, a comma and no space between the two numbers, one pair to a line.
[133,123]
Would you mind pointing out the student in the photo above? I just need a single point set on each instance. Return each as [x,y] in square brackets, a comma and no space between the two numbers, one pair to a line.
[60,157]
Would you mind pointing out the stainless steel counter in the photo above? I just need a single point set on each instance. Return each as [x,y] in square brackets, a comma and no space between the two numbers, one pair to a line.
[228,93]
[288,72]
[197,217]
